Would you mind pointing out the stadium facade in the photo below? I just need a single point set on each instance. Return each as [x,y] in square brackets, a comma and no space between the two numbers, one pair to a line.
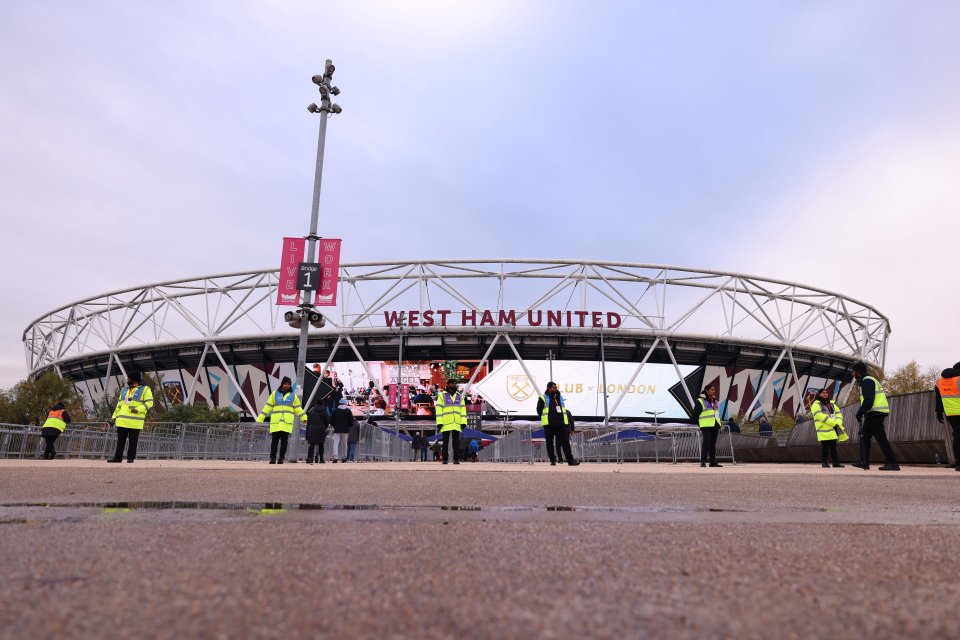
[656,333]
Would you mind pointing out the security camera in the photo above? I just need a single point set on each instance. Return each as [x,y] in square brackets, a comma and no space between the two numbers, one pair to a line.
[293,318]
[335,108]
[335,90]
[317,80]
[316,319]
[313,108]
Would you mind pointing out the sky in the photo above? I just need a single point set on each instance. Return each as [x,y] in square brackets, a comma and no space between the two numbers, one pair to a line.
[816,142]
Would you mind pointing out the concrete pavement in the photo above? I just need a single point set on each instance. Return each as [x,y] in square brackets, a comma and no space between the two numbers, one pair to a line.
[475,550]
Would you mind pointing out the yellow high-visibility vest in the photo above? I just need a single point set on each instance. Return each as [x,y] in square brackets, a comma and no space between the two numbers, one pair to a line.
[950,394]
[55,420]
[282,409]
[828,421]
[140,398]
[880,403]
[544,415]
[709,414]
[451,411]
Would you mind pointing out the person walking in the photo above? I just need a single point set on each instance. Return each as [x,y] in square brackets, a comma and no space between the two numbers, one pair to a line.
[947,403]
[707,415]
[556,423]
[451,419]
[129,416]
[317,423]
[828,422]
[353,437]
[341,419]
[874,408]
[57,420]
[282,407]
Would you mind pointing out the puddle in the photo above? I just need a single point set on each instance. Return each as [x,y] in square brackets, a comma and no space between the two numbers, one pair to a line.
[265,508]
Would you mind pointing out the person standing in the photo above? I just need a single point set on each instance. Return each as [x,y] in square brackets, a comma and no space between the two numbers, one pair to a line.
[129,416]
[317,423]
[828,422]
[57,420]
[707,414]
[570,432]
[451,419]
[353,437]
[947,398]
[282,407]
[874,408]
[556,424]
[341,420]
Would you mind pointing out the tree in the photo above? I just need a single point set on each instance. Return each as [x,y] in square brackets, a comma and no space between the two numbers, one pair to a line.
[449,369]
[910,378]
[29,401]
[196,414]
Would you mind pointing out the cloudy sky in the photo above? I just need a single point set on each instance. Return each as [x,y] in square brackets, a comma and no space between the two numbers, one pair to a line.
[815,141]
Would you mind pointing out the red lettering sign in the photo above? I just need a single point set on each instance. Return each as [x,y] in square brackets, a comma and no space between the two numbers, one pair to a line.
[290,259]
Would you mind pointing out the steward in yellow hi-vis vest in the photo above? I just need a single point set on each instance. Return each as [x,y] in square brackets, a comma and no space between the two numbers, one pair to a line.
[451,409]
[707,414]
[947,403]
[129,416]
[283,407]
[57,420]
[555,419]
[874,408]
[828,422]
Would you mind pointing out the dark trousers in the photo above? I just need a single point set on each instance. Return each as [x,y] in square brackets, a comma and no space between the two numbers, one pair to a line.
[873,428]
[954,422]
[708,451]
[318,448]
[423,454]
[561,435]
[446,445]
[278,437]
[828,449]
[50,436]
[122,434]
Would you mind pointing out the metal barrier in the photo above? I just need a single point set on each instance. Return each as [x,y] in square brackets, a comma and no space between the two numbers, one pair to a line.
[173,441]
[912,419]
[613,443]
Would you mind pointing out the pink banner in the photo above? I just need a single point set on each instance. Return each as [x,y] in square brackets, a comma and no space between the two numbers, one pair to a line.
[405,396]
[392,395]
[293,253]
[329,260]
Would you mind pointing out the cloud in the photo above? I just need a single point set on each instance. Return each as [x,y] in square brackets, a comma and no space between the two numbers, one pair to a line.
[876,220]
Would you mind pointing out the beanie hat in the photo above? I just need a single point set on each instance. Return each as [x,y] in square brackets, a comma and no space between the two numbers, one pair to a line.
[860,367]
[285,380]
[135,376]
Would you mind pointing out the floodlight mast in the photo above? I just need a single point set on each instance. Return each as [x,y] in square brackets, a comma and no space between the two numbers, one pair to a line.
[325,110]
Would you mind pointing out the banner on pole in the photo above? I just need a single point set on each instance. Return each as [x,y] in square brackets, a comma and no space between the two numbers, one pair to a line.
[329,260]
[293,253]
[392,395]
[405,396]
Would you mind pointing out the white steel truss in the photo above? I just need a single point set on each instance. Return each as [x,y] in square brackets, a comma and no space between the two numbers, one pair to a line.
[666,303]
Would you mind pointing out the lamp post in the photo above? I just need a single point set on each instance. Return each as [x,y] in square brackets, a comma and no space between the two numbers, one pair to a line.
[551,358]
[325,109]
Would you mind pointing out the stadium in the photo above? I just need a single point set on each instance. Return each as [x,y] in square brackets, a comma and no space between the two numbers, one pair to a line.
[651,335]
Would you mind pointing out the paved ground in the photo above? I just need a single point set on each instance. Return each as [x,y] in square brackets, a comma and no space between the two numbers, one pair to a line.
[217,549]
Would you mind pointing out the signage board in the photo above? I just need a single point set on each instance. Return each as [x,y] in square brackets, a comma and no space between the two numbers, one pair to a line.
[290,259]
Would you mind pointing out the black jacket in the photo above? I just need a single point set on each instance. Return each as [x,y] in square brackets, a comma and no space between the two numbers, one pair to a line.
[554,418]
[317,423]
[341,419]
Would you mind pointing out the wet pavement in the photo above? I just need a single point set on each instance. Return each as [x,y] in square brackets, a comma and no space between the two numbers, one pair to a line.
[225,550]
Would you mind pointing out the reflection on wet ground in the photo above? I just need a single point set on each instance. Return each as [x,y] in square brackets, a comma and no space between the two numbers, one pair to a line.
[121,507]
